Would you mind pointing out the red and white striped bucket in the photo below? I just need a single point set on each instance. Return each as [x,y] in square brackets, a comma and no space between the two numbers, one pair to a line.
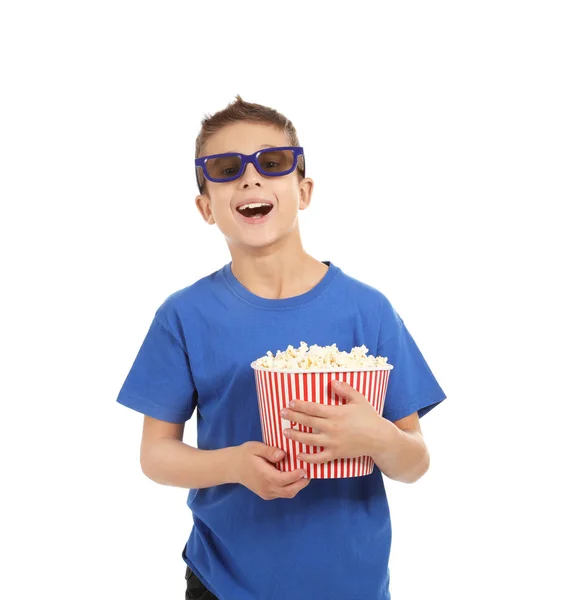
[277,387]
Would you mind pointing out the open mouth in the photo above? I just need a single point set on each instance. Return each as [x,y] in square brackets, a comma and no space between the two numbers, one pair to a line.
[255,210]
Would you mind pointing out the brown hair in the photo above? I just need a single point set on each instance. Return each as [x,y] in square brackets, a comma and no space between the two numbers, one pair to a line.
[240,110]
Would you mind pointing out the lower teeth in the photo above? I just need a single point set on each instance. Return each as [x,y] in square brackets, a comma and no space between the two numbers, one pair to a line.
[256,216]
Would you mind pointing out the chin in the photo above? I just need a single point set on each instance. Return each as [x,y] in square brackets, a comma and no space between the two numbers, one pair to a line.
[263,237]
[257,241]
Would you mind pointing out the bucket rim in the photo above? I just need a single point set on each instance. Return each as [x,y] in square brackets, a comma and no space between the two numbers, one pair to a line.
[295,371]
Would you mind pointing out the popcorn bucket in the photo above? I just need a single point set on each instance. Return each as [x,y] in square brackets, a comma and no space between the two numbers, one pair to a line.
[277,387]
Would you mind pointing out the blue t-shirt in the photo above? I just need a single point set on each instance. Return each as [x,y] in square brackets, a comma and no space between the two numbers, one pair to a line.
[332,540]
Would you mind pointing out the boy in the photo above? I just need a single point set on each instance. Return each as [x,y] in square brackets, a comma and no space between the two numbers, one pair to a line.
[258,533]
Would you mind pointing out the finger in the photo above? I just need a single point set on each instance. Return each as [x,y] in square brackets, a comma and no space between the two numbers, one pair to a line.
[290,491]
[311,439]
[286,478]
[298,417]
[315,409]
[317,458]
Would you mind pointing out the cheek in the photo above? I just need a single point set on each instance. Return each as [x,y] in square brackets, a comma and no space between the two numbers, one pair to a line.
[220,205]
[288,197]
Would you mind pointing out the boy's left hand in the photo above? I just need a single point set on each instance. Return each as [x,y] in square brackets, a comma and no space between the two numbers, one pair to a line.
[344,431]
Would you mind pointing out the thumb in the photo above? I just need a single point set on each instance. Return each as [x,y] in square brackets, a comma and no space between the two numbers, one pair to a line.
[273,454]
[346,391]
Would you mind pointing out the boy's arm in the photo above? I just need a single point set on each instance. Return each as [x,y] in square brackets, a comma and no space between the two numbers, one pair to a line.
[167,460]
[356,429]
[399,449]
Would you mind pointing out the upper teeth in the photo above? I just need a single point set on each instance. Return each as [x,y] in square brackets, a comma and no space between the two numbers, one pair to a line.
[254,205]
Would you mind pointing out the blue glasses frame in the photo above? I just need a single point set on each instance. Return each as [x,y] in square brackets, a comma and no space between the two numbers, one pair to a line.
[249,158]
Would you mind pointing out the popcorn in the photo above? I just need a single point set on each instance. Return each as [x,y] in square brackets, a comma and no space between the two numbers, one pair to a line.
[307,373]
[305,358]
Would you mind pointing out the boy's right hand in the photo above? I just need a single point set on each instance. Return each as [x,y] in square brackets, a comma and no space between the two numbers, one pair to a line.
[254,469]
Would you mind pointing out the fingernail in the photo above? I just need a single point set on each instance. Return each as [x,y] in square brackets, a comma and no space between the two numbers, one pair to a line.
[336,383]
[287,432]
[291,404]
[283,412]
[303,473]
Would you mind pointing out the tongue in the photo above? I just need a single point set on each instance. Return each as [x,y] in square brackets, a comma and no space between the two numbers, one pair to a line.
[256,213]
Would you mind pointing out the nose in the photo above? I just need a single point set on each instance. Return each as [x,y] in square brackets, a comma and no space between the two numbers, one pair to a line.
[250,177]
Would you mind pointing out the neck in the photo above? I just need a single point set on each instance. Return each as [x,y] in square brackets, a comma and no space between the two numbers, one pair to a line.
[282,270]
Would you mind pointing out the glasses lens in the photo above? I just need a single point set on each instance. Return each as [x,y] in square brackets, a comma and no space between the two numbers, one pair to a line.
[224,167]
[274,162]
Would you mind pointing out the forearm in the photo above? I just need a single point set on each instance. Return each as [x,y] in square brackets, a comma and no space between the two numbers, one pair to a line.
[172,462]
[400,455]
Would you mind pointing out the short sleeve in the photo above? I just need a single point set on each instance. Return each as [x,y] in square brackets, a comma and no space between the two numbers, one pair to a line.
[160,383]
[412,386]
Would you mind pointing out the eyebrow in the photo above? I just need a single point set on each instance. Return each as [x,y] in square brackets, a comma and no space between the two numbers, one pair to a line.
[262,146]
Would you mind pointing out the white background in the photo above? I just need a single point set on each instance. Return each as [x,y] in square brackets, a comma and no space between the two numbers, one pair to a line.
[446,141]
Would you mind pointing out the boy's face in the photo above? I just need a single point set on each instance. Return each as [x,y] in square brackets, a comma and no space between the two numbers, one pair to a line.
[287,193]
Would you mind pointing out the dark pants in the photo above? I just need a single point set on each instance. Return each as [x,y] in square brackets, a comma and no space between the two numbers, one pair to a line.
[195,589]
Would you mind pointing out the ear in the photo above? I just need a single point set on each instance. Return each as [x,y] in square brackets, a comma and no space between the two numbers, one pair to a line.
[204,207]
[306,191]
